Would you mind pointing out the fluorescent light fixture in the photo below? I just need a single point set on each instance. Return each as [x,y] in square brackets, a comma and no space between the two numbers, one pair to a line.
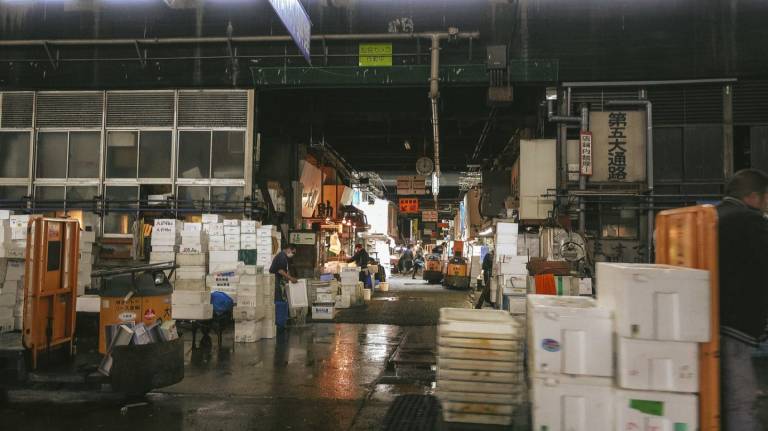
[486,232]
[407,145]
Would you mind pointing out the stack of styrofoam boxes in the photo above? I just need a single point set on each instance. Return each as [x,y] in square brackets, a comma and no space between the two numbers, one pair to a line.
[480,372]
[14,273]
[214,230]
[191,298]
[350,277]
[324,299]
[16,247]
[510,272]
[268,290]
[165,240]
[248,235]
[224,271]
[660,314]
[85,263]
[570,363]
[264,238]
[251,309]
[12,295]
[232,235]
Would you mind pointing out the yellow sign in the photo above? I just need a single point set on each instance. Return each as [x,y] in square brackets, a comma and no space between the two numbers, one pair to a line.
[375,55]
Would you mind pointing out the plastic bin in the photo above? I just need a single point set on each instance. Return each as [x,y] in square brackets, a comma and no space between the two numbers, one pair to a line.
[367,294]
[384,286]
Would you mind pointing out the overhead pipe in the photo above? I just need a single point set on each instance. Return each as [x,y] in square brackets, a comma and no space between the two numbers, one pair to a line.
[434,94]
[237,39]
[645,103]
[562,142]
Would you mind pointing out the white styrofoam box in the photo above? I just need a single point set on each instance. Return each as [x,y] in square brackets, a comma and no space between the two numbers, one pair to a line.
[343,301]
[88,304]
[658,365]
[265,241]
[323,312]
[7,325]
[216,247]
[199,259]
[232,246]
[325,297]
[247,246]
[5,214]
[190,227]
[190,273]
[231,222]
[231,230]
[506,228]
[269,330]
[562,403]
[512,265]
[163,241]
[211,218]
[569,335]
[214,229]
[87,236]
[222,256]
[506,239]
[263,249]
[6,312]
[190,297]
[162,256]
[517,304]
[248,300]
[248,237]
[656,302]
[247,331]
[486,324]
[164,248]
[585,286]
[192,312]
[8,298]
[648,410]
[506,249]
[253,270]
[224,267]
[228,238]
[249,226]
[169,222]
[216,239]
[248,288]
[198,284]
[240,313]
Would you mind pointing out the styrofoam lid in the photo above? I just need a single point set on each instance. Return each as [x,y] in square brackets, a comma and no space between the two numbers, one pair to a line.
[471,315]
[669,270]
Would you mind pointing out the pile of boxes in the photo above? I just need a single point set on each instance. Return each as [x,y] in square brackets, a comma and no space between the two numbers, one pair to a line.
[12,295]
[626,361]
[255,311]
[322,296]
[166,234]
[191,298]
[85,262]
[510,273]
[224,270]
[267,243]
[351,292]
[480,372]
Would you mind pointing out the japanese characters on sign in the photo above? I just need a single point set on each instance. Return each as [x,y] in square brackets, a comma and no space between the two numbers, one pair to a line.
[375,54]
[409,205]
[617,146]
[429,216]
[585,151]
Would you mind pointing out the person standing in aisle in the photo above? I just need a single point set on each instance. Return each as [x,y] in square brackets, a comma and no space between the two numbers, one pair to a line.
[487,272]
[418,260]
[743,254]
[279,267]
[360,258]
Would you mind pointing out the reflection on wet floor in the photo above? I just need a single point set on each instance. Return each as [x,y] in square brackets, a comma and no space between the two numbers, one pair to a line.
[322,376]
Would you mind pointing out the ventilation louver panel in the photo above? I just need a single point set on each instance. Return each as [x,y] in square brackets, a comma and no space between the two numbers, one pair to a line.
[17,110]
[70,109]
[140,109]
[677,105]
[750,102]
[596,97]
[213,109]
[668,105]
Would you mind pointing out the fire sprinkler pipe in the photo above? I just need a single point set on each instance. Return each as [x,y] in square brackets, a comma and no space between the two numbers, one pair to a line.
[645,103]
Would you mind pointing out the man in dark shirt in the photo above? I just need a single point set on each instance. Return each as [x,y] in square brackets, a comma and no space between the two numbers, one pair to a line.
[487,270]
[279,267]
[361,260]
[743,242]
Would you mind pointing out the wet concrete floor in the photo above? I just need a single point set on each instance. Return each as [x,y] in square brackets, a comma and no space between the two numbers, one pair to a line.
[322,376]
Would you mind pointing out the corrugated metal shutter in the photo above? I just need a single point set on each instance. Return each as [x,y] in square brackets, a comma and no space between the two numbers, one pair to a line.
[750,102]
[213,109]
[17,109]
[687,105]
[70,109]
[140,109]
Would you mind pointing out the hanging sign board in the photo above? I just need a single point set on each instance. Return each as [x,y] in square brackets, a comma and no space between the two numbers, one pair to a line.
[375,55]
[585,153]
[302,238]
[409,206]
[411,185]
[429,216]
[618,146]
[296,21]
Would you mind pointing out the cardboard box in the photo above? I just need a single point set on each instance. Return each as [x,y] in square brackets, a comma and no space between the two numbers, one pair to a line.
[656,302]
[214,229]
[231,230]
[222,256]
[658,365]
[249,226]
[211,218]
[323,312]
[569,335]
[190,227]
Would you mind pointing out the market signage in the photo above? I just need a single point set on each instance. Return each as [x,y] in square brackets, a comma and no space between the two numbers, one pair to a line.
[618,146]
[411,185]
[302,238]
[296,21]
[429,216]
[375,55]
[409,206]
[585,152]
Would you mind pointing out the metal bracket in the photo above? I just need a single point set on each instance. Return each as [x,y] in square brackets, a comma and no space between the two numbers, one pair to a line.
[54,60]
[142,57]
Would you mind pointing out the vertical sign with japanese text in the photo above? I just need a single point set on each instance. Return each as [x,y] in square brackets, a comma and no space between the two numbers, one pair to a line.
[618,146]
[296,22]
[585,153]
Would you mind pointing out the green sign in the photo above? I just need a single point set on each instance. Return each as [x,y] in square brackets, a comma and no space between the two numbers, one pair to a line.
[375,54]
